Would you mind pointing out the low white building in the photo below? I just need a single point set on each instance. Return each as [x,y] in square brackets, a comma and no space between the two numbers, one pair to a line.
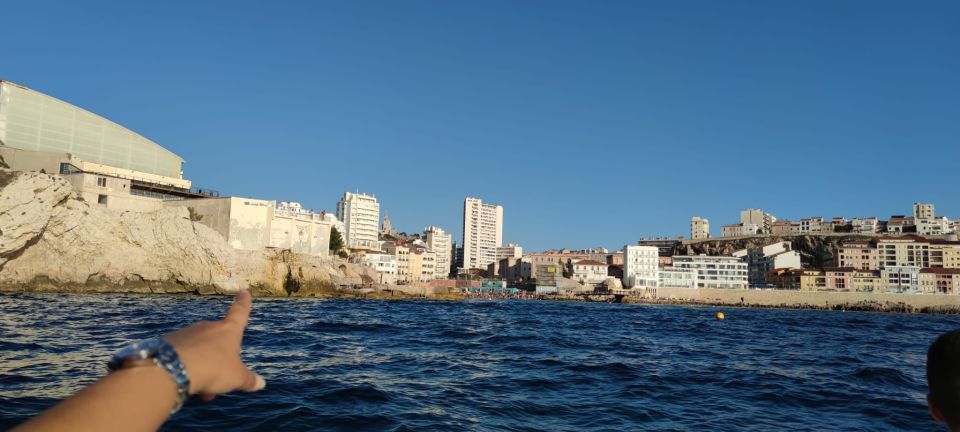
[715,271]
[589,272]
[865,225]
[640,266]
[385,265]
[676,277]
[299,230]
[933,226]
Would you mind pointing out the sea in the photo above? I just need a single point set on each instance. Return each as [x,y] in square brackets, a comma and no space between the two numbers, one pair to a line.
[511,365]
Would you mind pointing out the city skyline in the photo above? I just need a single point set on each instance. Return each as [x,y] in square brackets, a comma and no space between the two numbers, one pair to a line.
[606,126]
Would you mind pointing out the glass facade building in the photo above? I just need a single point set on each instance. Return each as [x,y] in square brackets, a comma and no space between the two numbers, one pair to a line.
[30,120]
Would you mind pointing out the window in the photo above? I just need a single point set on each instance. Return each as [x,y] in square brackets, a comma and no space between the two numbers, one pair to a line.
[102,199]
[102,181]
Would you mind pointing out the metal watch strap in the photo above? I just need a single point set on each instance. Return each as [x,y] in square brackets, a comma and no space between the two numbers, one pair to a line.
[161,353]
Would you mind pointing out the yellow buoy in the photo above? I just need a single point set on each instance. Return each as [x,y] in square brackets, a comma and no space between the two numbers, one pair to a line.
[720,316]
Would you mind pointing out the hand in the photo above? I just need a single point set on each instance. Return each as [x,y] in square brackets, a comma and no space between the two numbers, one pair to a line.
[210,350]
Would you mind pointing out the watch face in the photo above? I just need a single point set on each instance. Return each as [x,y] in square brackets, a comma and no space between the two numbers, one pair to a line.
[141,350]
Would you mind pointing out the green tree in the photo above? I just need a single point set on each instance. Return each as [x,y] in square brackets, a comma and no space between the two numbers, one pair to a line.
[336,242]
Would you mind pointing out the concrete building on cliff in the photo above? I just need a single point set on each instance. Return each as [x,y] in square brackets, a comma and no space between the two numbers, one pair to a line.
[253,224]
[763,220]
[699,228]
[106,163]
[739,230]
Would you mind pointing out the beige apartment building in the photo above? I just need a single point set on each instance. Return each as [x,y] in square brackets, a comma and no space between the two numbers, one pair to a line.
[763,220]
[951,257]
[867,281]
[859,255]
[440,243]
[510,250]
[401,255]
[814,225]
[785,227]
[699,228]
[923,211]
[422,263]
[899,251]
[903,251]
[828,279]
[940,281]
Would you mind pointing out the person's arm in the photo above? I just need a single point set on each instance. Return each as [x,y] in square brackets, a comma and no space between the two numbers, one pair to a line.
[140,398]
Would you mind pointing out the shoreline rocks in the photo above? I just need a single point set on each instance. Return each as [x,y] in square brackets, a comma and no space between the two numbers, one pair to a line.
[51,240]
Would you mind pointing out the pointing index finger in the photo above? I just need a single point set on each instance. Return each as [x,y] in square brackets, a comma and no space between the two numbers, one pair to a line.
[239,312]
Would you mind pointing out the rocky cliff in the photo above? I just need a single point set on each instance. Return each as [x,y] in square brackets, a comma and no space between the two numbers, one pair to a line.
[52,240]
[815,250]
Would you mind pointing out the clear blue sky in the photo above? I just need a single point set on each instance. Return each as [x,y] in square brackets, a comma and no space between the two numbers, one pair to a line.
[592,123]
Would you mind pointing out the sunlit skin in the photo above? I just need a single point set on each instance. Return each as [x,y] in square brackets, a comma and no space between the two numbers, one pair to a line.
[140,398]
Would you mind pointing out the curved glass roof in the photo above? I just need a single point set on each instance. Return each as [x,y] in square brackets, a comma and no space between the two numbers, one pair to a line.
[30,120]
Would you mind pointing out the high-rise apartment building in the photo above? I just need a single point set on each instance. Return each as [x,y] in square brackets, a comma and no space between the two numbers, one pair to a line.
[360,214]
[699,228]
[440,243]
[482,233]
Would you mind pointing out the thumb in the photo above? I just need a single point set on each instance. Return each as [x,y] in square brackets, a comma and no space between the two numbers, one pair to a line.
[252,381]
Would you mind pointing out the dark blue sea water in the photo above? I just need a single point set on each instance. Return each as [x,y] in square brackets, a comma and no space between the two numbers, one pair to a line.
[512,365]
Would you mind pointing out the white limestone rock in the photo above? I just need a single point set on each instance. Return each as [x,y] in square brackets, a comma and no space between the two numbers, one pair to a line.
[51,240]
[612,283]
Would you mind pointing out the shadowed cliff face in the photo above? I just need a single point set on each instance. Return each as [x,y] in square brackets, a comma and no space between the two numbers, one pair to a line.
[815,250]
[51,240]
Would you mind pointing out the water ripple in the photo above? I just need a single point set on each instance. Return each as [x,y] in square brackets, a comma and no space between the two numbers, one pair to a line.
[514,366]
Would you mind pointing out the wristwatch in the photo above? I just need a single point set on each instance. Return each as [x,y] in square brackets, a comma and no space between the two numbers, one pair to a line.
[158,352]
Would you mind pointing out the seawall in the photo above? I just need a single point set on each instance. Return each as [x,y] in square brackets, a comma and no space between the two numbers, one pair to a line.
[827,300]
